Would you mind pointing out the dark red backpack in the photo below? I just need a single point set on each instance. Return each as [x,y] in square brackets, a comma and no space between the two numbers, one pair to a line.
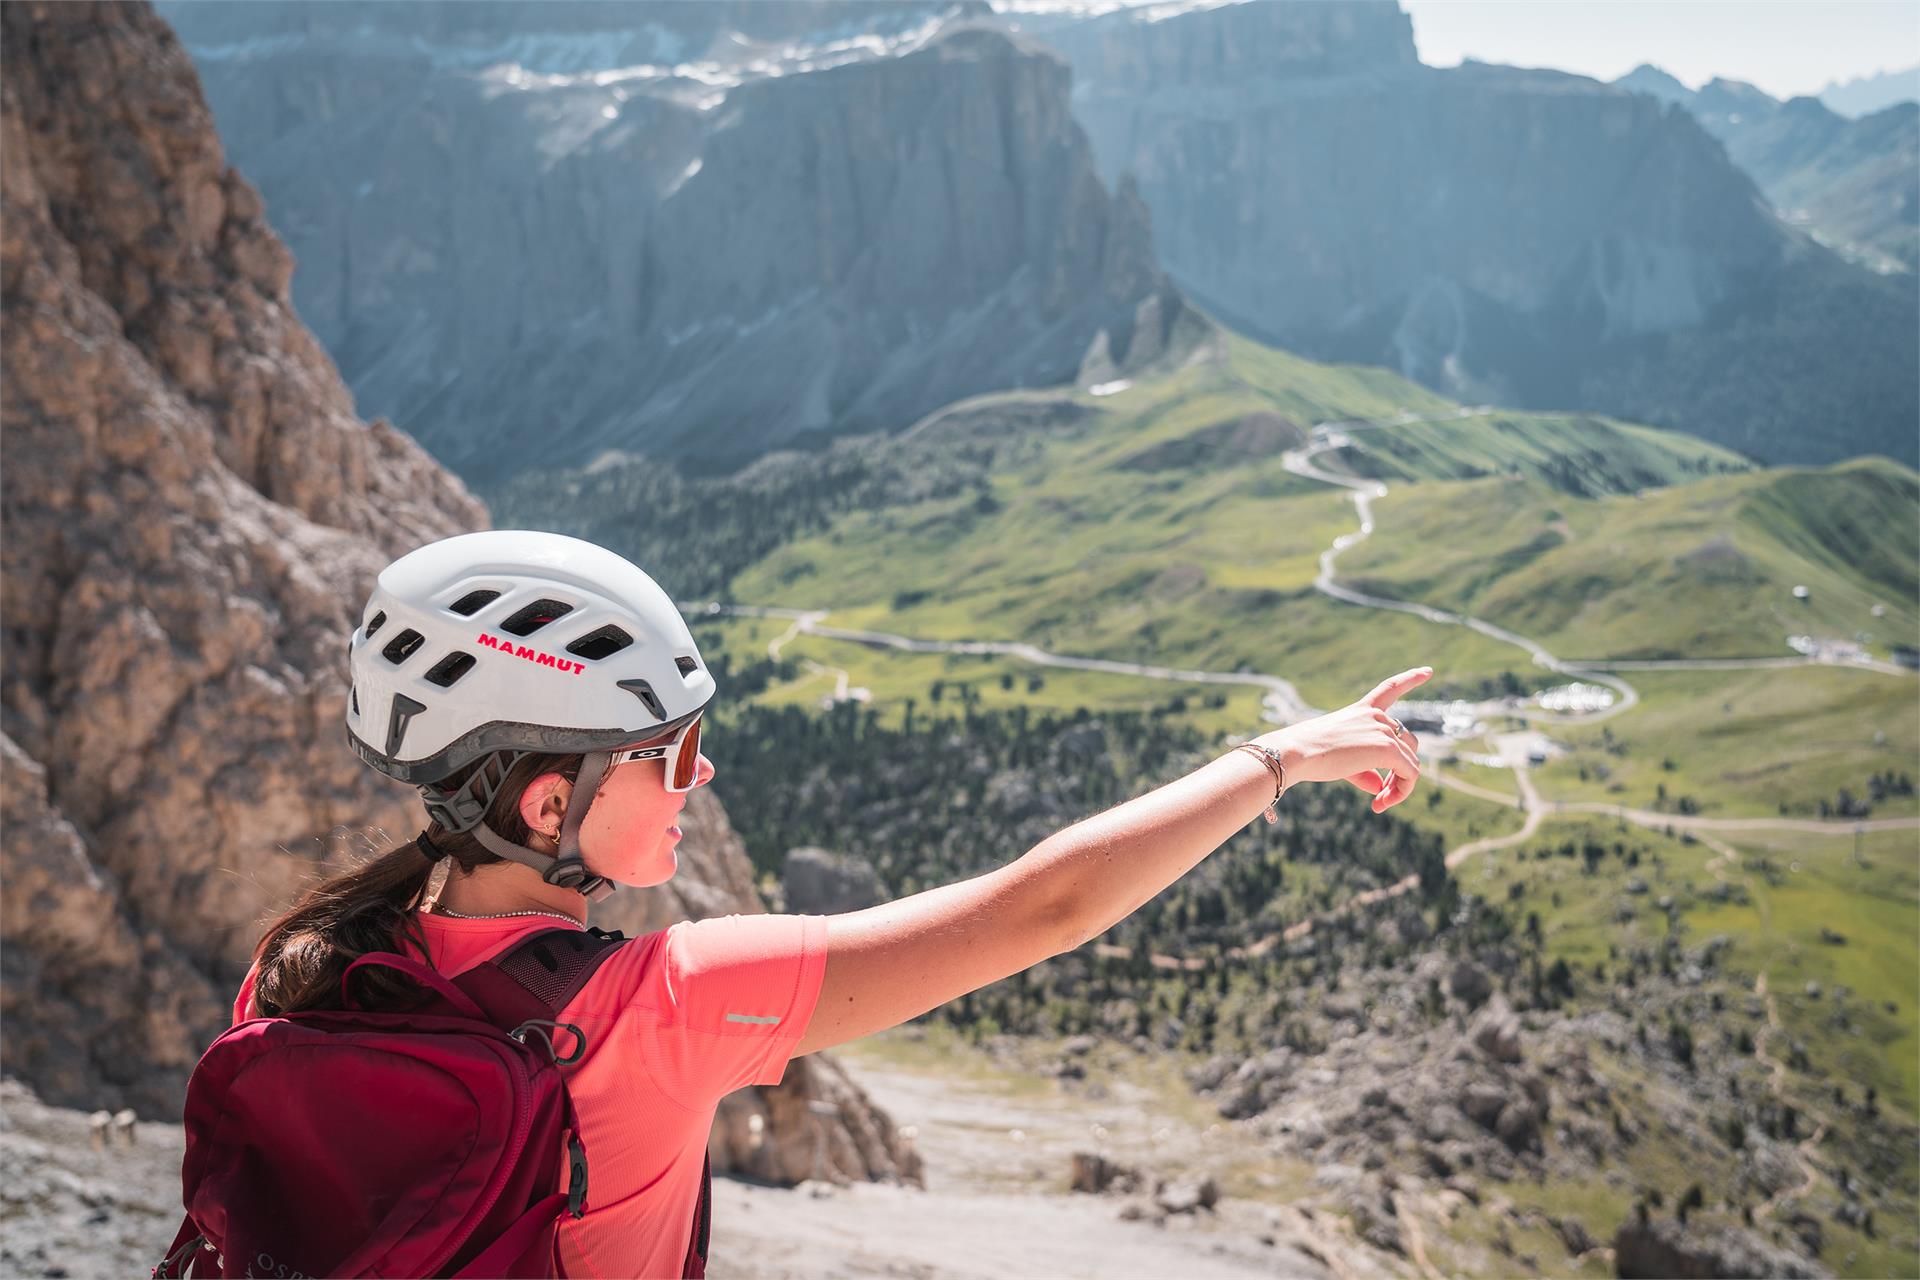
[425,1143]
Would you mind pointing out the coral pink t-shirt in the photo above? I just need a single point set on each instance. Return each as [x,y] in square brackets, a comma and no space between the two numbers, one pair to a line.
[673,1021]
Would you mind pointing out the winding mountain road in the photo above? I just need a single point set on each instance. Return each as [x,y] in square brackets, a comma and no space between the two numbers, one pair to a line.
[1335,435]
[1285,705]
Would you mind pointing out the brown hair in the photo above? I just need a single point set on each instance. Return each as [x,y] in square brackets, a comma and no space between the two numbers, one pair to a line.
[369,908]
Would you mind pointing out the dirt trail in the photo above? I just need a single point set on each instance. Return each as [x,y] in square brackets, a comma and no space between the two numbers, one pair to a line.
[998,1149]
[1804,1149]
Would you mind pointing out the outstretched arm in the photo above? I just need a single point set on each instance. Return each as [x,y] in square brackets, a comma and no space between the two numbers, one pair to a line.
[895,961]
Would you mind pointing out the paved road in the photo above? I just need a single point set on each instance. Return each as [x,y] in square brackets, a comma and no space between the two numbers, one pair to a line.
[1334,435]
[1282,700]
[1285,705]
[1327,436]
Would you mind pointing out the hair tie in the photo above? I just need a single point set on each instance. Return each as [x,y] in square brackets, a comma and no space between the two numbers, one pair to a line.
[426,845]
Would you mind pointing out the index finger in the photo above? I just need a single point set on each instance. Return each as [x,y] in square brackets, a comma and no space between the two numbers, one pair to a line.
[1393,687]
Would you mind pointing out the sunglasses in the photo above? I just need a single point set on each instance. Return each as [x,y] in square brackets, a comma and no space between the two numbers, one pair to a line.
[681,752]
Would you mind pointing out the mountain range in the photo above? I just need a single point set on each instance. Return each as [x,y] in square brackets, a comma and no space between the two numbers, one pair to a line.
[1864,95]
[533,233]
[1853,182]
[1526,237]
[705,231]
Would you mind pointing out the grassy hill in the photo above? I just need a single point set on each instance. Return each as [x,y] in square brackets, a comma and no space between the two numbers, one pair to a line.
[1577,454]
[1705,569]
[1163,526]
[1160,524]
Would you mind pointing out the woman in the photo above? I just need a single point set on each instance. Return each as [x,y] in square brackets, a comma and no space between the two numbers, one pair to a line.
[508,674]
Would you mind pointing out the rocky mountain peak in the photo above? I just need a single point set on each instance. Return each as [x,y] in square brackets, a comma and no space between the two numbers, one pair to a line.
[1649,79]
[1210,47]
[175,243]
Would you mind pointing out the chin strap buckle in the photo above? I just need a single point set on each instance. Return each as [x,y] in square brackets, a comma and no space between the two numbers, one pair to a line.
[570,872]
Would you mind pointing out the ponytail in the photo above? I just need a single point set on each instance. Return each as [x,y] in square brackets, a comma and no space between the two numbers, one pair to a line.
[371,907]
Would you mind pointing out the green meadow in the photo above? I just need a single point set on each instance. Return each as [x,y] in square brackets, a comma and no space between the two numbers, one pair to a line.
[1572,453]
[1758,743]
[1166,529]
[1704,570]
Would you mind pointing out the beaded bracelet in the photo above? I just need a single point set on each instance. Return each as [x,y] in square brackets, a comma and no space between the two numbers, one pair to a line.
[1271,759]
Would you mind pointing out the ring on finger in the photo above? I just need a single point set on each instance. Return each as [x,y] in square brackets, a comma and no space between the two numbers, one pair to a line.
[1399,730]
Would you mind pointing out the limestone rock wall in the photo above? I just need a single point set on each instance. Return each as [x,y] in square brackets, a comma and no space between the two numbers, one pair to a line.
[193,516]
[1505,235]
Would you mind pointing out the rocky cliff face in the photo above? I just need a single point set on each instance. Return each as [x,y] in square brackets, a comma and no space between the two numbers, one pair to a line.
[527,247]
[193,514]
[193,518]
[1507,235]
[1160,47]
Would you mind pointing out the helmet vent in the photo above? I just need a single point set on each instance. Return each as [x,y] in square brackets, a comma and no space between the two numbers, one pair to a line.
[535,616]
[375,622]
[600,644]
[473,602]
[450,668]
[687,665]
[644,691]
[402,646]
[353,699]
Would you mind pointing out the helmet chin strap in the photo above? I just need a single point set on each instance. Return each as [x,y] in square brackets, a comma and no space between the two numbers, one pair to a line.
[566,868]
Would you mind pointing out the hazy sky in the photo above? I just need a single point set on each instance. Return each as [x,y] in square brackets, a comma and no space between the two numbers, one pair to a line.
[1786,47]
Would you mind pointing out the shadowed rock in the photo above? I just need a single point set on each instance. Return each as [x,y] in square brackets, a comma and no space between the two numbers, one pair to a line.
[1664,1247]
[193,517]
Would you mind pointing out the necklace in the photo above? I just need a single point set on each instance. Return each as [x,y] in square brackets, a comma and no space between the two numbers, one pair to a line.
[502,915]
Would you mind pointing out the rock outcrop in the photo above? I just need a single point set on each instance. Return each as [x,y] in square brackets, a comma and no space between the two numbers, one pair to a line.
[193,515]
[1665,1247]
[821,881]
[547,234]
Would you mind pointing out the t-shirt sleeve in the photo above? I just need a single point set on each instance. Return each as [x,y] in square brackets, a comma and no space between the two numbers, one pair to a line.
[727,1000]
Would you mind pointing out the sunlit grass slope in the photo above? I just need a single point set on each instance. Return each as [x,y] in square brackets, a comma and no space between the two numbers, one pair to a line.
[1573,453]
[1165,528]
[1746,743]
[1706,569]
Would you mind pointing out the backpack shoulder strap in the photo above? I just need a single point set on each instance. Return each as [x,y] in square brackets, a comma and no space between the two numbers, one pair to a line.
[537,976]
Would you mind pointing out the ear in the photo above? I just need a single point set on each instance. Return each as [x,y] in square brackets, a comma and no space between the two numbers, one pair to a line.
[544,803]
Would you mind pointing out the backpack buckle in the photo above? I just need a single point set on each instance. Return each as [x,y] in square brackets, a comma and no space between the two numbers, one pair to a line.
[185,1253]
[576,1176]
[532,1027]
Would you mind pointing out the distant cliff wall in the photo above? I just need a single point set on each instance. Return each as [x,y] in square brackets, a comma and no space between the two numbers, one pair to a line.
[525,248]
[1525,237]
[1854,183]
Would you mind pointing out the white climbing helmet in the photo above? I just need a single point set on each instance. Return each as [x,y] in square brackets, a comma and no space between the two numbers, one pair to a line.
[512,641]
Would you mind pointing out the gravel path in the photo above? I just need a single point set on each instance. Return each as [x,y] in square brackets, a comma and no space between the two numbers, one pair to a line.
[996,1204]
